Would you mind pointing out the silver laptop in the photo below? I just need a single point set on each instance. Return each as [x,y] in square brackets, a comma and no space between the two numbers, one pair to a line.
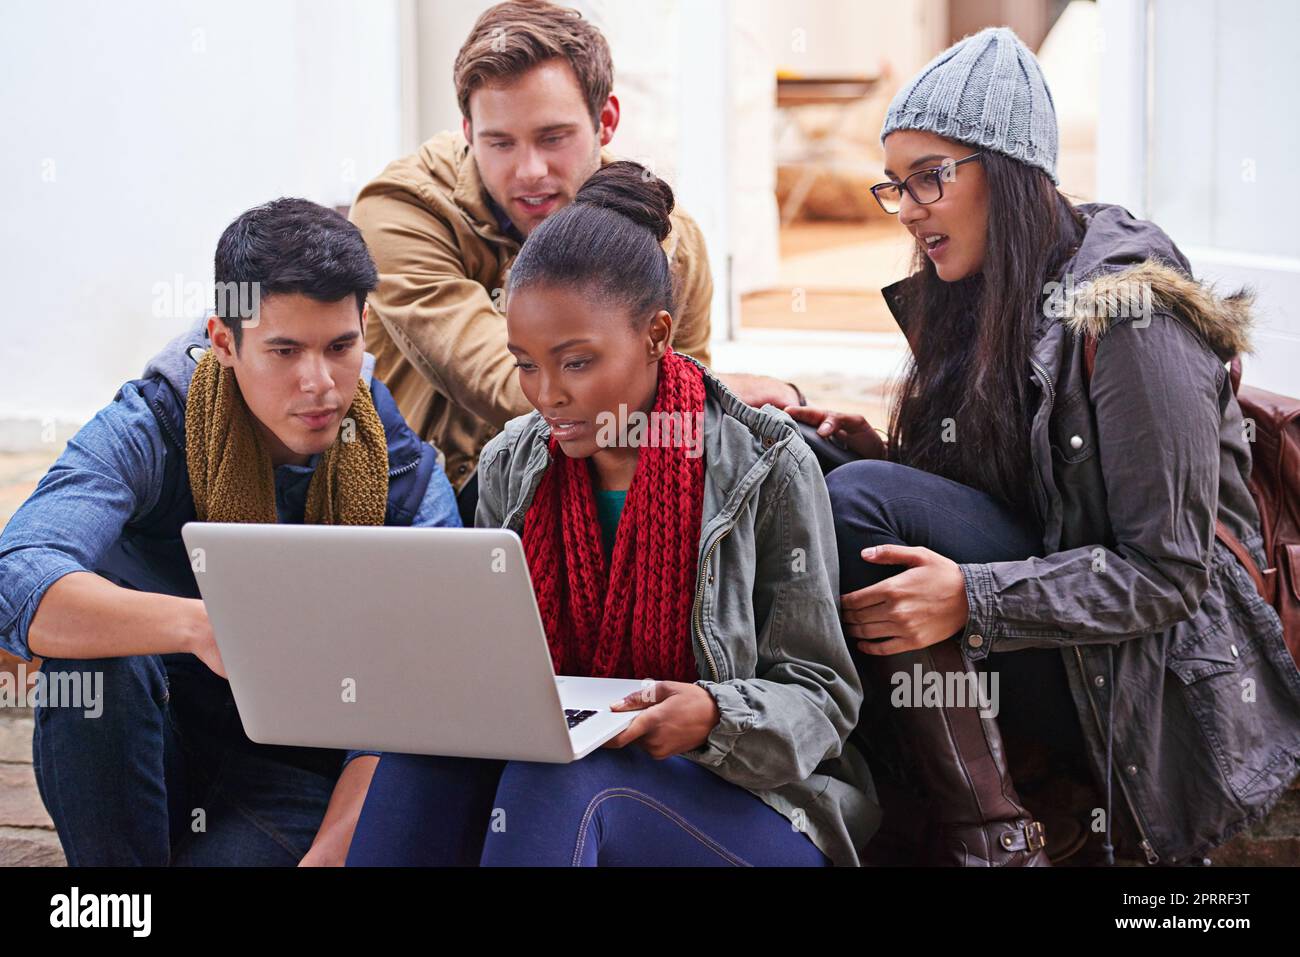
[416,640]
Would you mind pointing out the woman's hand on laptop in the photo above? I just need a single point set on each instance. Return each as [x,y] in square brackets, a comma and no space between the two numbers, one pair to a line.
[676,717]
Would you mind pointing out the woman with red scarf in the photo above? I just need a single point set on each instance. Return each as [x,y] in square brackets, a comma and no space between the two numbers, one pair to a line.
[673,533]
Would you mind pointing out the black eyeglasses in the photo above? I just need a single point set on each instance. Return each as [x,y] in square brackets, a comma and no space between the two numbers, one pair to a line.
[925,185]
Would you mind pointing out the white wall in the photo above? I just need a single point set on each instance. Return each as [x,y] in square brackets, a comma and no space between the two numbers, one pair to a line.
[442,27]
[1198,131]
[134,133]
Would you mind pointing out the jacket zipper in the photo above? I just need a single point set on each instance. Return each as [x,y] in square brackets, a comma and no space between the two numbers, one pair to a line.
[161,416]
[697,616]
[1041,487]
[1144,843]
[1046,379]
[393,473]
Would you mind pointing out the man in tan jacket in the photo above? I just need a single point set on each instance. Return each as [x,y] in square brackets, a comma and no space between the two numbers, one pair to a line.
[444,225]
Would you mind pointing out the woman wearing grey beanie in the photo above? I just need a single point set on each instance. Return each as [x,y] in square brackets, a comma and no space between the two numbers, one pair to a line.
[1038,529]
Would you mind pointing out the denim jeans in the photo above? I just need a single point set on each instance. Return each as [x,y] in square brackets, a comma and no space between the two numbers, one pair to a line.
[883,503]
[165,775]
[614,807]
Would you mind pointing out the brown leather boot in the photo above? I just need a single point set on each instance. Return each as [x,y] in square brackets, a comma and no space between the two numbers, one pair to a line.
[959,763]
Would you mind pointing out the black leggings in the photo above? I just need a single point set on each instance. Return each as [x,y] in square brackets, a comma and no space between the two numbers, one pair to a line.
[883,503]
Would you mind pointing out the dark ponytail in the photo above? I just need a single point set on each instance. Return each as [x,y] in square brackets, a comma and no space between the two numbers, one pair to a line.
[607,240]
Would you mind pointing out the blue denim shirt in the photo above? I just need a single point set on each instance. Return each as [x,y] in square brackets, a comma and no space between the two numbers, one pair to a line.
[111,472]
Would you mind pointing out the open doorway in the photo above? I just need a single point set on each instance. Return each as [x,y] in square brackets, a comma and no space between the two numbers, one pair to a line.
[837,66]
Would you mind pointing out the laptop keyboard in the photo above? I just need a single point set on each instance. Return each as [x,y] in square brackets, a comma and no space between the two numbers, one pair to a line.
[575,717]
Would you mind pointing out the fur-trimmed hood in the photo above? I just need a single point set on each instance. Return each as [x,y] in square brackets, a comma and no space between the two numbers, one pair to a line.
[1128,268]
[1137,292]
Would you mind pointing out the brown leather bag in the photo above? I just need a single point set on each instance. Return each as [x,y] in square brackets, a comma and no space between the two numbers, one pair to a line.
[1275,486]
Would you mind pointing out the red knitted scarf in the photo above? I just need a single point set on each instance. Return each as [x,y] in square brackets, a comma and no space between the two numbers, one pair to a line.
[630,618]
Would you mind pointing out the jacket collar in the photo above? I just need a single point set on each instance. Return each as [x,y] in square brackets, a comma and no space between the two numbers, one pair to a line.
[1223,322]
[472,198]
[896,295]
[1126,267]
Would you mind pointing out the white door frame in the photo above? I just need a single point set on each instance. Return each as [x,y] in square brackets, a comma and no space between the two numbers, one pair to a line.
[1123,176]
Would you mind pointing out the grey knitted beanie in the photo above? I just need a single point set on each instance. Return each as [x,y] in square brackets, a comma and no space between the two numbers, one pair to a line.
[986,89]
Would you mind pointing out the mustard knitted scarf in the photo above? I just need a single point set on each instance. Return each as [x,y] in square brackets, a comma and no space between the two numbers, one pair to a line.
[231,475]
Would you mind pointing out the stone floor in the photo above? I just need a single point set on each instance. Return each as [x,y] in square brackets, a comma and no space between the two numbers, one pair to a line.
[27,835]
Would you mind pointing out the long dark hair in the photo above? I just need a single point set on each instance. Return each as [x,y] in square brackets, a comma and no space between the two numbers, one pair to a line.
[963,407]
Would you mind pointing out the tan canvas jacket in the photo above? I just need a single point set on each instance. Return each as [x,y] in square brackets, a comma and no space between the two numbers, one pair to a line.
[437,328]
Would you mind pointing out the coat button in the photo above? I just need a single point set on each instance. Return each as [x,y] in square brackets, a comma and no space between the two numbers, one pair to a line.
[1099,681]
[1234,651]
[975,641]
[1131,770]
[1076,442]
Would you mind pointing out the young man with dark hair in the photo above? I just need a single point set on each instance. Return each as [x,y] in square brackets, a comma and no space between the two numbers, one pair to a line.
[266,412]
[534,83]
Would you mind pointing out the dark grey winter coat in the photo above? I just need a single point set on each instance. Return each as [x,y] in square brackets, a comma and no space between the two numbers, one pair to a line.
[1169,651]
